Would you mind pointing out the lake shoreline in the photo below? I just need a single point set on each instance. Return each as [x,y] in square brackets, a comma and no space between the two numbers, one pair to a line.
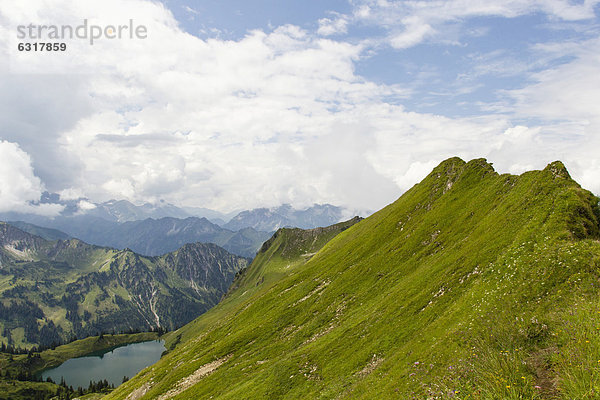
[112,365]
[53,358]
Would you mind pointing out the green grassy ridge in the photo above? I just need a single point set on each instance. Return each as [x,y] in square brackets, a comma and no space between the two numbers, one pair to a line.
[51,291]
[288,249]
[471,285]
[271,263]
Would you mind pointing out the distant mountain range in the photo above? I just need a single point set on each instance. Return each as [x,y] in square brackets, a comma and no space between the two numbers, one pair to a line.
[157,229]
[271,219]
[154,237]
[124,211]
[261,219]
[150,237]
[53,290]
[44,233]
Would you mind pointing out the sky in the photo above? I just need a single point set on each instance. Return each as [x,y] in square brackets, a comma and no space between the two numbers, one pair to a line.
[240,104]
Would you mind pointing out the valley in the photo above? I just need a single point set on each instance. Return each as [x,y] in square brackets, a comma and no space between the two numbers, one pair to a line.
[473,284]
[20,372]
[54,291]
[57,288]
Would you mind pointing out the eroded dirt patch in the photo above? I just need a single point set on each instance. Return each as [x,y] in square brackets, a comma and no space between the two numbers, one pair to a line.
[371,365]
[194,378]
[545,375]
[139,392]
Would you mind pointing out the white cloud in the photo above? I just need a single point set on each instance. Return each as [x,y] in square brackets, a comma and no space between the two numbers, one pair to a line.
[211,119]
[415,31]
[328,27]
[85,205]
[20,189]
[71,194]
[274,117]
[566,99]
[569,91]
[190,10]
[411,22]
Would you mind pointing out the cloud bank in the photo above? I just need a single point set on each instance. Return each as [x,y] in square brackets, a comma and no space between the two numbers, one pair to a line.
[278,116]
[20,189]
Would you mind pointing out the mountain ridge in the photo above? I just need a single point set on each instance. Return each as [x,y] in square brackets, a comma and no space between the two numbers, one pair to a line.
[51,291]
[271,219]
[150,236]
[471,284]
[243,235]
[121,211]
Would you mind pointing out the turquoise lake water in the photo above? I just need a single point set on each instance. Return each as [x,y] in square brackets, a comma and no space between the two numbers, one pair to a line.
[122,361]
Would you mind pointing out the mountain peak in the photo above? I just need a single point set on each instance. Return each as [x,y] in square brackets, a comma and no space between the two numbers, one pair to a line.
[449,166]
[448,172]
[271,219]
[455,165]
[11,234]
[480,163]
[558,170]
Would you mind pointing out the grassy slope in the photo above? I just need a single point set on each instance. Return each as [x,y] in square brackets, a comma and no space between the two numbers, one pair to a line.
[471,285]
[16,390]
[287,250]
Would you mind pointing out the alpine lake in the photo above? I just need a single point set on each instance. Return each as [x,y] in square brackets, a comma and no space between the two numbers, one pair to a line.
[112,364]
